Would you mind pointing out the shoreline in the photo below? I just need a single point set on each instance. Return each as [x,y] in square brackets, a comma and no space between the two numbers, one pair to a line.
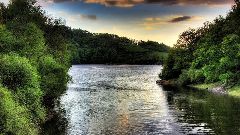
[215,88]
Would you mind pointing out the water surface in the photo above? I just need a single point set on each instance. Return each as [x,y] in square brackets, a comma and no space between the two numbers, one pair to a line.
[125,100]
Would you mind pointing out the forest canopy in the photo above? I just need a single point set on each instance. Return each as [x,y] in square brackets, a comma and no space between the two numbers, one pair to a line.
[95,48]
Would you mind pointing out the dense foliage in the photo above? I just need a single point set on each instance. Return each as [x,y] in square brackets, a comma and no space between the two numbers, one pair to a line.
[36,52]
[33,66]
[14,118]
[112,49]
[18,75]
[208,54]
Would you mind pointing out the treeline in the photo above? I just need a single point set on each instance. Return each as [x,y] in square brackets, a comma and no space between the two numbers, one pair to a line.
[208,54]
[112,49]
[36,52]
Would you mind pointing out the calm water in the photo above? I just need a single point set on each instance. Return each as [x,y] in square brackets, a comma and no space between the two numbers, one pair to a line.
[125,100]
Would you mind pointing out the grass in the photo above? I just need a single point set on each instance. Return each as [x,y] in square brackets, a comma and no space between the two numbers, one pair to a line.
[204,86]
[235,91]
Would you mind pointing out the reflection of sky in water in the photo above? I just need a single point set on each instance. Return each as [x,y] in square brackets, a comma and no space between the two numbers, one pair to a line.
[125,100]
[117,100]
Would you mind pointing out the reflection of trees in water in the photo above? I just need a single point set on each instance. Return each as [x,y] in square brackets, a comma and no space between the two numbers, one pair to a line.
[201,111]
[57,122]
[197,111]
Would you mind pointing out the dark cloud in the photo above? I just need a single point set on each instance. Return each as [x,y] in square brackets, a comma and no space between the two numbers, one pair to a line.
[180,19]
[90,17]
[117,3]
[58,1]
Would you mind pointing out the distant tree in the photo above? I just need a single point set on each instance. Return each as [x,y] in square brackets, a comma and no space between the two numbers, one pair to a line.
[154,46]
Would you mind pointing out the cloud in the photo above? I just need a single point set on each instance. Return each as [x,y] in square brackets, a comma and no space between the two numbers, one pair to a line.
[117,3]
[131,3]
[78,17]
[90,17]
[180,19]
[153,23]
[190,2]
[75,17]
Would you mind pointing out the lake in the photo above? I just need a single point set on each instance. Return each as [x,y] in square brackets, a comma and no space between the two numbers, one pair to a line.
[125,100]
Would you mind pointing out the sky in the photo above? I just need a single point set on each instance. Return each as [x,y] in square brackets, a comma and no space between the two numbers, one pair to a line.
[157,20]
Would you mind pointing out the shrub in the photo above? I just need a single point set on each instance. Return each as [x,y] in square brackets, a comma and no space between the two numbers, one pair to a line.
[7,40]
[17,74]
[53,76]
[226,77]
[196,75]
[30,39]
[14,118]
[211,73]
[184,78]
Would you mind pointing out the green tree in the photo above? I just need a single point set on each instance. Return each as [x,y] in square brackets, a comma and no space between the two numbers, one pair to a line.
[14,118]
[30,40]
[18,75]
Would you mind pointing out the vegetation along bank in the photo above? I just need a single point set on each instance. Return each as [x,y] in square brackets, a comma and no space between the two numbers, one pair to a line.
[207,57]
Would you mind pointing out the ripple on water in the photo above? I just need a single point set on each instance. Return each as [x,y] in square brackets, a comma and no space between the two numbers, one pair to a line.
[125,100]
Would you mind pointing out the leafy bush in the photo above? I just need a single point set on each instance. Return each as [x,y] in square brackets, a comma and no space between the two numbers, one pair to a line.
[7,40]
[18,75]
[32,46]
[184,78]
[14,118]
[218,62]
[170,71]
[196,75]
[17,72]
[211,73]
[53,76]
[225,78]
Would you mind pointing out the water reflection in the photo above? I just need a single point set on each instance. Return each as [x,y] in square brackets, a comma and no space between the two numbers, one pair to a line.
[56,123]
[116,100]
[203,112]
[125,100]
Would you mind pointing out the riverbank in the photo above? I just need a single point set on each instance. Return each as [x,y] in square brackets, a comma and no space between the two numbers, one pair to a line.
[219,89]
[216,88]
